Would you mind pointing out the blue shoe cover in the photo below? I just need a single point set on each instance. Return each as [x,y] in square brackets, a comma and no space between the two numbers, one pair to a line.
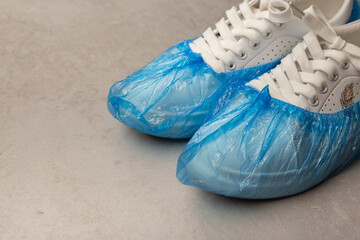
[355,14]
[172,96]
[258,147]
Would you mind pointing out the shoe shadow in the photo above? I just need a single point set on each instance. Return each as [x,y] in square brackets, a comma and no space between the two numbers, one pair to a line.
[148,139]
[161,147]
[310,202]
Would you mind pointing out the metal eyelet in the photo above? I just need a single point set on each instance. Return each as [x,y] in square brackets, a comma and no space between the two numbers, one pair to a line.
[254,45]
[314,103]
[232,66]
[243,55]
[280,25]
[346,65]
[324,90]
[334,78]
[268,35]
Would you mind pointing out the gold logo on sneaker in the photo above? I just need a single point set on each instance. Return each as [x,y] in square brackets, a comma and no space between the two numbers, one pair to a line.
[347,96]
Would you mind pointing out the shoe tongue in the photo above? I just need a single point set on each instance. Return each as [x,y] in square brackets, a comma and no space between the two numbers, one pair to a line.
[318,23]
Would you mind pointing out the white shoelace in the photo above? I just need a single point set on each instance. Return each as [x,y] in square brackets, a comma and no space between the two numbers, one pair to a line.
[254,20]
[305,73]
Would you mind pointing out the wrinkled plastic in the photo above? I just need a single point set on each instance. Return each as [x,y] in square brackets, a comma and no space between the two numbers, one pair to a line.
[172,96]
[260,148]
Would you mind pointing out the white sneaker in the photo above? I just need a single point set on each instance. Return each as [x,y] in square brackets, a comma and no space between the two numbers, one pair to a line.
[290,129]
[173,95]
[261,32]
[318,76]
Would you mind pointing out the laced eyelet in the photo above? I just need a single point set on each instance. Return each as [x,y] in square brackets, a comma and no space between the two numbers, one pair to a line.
[243,55]
[324,90]
[334,78]
[268,35]
[314,102]
[346,65]
[254,45]
[232,66]
[280,25]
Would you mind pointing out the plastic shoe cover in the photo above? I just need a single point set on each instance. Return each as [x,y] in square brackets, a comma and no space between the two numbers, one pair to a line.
[260,148]
[355,14]
[171,97]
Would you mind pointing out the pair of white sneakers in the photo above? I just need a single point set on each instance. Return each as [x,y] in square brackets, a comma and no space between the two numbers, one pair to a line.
[292,127]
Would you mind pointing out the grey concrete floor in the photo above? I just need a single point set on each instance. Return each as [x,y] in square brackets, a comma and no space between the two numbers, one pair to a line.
[68,170]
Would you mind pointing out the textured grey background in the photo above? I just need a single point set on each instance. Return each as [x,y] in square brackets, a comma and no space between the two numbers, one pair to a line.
[68,170]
